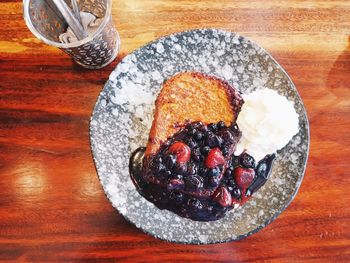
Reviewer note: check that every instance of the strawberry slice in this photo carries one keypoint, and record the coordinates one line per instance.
(182, 152)
(244, 177)
(222, 196)
(214, 158)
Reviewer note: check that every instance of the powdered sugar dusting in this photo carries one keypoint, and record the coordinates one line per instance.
(123, 114)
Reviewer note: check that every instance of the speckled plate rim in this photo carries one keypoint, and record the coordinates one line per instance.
(298, 182)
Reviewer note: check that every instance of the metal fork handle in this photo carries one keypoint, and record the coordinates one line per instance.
(76, 10)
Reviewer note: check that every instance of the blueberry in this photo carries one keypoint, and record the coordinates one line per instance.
(205, 149)
(219, 141)
(170, 161)
(230, 168)
(208, 134)
(211, 140)
(220, 125)
(204, 128)
(234, 161)
(191, 143)
(190, 127)
(247, 161)
(198, 124)
(180, 168)
(166, 173)
(193, 183)
(198, 136)
(158, 167)
(194, 203)
(236, 193)
(159, 159)
(228, 172)
(231, 182)
(177, 196)
(161, 167)
(235, 128)
(192, 169)
(214, 141)
(225, 151)
(227, 136)
(203, 171)
(192, 131)
(196, 155)
(213, 181)
(214, 172)
(212, 127)
(177, 176)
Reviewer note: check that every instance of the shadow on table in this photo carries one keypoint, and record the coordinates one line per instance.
(338, 80)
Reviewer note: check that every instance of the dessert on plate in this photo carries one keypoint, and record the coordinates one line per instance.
(210, 148)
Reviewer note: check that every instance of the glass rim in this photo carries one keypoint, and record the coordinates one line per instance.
(36, 33)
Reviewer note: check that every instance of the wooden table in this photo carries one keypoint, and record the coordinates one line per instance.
(52, 206)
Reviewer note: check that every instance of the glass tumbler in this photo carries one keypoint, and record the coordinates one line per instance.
(93, 52)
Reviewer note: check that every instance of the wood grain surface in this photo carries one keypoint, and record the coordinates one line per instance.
(52, 206)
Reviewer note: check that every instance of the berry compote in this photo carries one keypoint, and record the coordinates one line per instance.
(195, 174)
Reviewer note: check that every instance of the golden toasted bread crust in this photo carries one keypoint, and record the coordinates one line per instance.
(189, 97)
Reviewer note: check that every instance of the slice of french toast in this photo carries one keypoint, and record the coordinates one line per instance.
(190, 97)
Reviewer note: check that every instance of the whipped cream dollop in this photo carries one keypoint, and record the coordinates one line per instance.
(268, 121)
